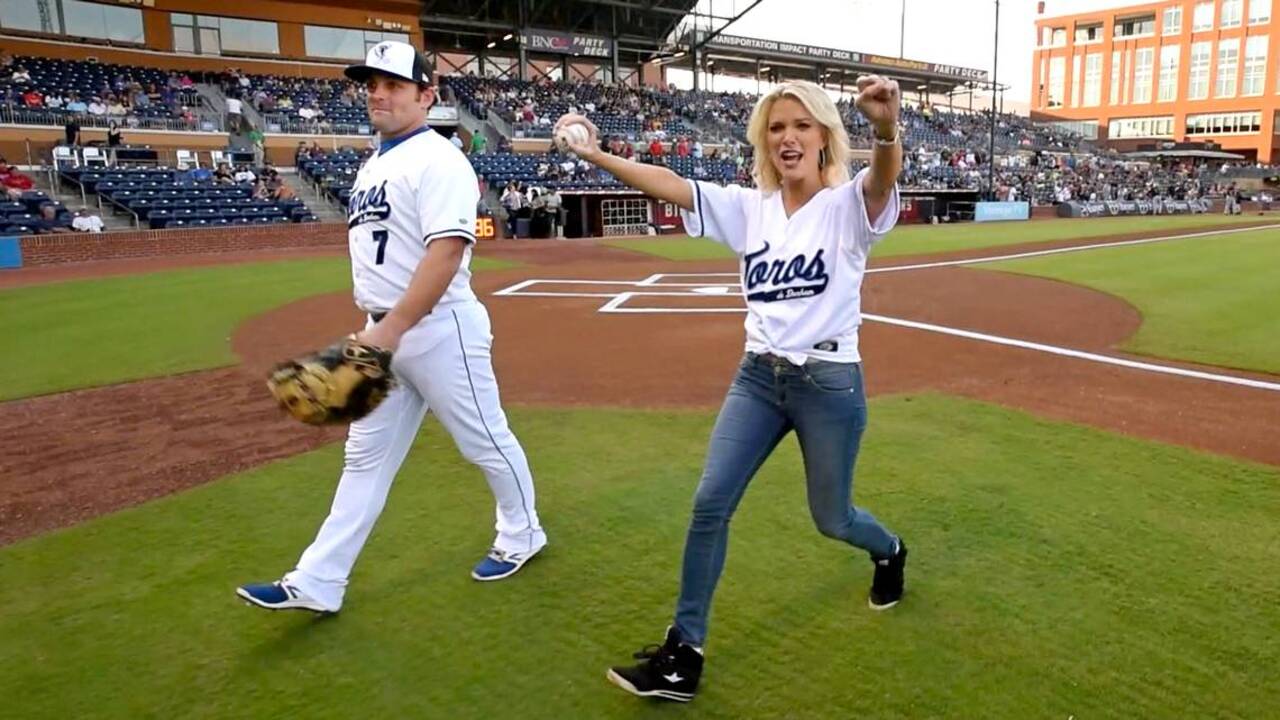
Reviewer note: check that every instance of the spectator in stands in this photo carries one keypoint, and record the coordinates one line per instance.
(75, 104)
(20, 75)
(260, 190)
(259, 142)
(456, 140)
(244, 175)
(86, 222)
(12, 179)
(115, 107)
(655, 150)
(504, 144)
(33, 99)
(72, 130)
(223, 176)
(279, 189)
(96, 108)
(199, 174)
(234, 110)
(48, 221)
(53, 101)
(554, 205)
(301, 154)
(114, 139)
(512, 201)
(478, 143)
(6, 60)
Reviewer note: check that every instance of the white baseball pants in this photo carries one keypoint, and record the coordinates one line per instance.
(442, 365)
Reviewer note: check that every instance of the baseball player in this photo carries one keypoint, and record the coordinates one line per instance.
(412, 218)
(802, 238)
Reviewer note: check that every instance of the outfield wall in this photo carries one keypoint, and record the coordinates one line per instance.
(67, 248)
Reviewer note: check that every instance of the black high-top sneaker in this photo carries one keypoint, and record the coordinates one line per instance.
(887, 586)
(669, 671)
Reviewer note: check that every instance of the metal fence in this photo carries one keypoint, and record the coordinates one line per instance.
(205, 122)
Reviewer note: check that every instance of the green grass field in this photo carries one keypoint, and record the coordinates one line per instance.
(1057, 571)
(926, 239)
(86, 333)
(1209, 300)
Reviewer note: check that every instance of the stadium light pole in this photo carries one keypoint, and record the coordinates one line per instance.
(995, 85)
(902, 32)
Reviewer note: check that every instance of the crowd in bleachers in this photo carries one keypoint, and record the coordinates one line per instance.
(26, 210)
(49, 91)
(532, 107)
(301, 105)
(195, 197)
(699, 134)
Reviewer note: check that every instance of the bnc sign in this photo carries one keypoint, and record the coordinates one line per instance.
(566, 43)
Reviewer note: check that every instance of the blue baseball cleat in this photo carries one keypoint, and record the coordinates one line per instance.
(279, 596)
(499, 564)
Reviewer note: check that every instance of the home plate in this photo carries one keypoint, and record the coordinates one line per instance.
(714, 290)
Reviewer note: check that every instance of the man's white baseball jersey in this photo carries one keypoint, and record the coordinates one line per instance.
(414, 189)
(801, 276)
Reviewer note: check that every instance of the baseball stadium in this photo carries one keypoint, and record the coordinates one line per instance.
(1069, 339)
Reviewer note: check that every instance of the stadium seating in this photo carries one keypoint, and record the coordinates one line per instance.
(91, 79)
(163, 197)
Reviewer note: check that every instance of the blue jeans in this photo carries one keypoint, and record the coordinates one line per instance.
(825, 404)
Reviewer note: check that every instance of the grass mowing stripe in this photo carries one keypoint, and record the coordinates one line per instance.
(1056, 570)
(84, 333)
(1208, 300)
(908, 240)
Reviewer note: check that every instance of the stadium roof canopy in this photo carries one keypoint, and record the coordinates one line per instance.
(669, 32)
(641, 27)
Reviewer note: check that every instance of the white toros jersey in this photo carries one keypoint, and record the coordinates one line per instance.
(801, 276)
(413, 190)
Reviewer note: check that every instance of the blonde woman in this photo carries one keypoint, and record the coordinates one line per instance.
(802, 236)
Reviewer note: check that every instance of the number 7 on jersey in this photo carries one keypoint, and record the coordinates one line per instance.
(380, 237)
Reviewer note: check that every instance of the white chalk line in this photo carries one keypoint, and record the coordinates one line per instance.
(617, 301)
(1071, 249)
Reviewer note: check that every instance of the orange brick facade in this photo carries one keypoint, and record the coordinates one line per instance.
(1119, 108)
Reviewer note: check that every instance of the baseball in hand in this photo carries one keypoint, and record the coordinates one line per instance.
(570, 135)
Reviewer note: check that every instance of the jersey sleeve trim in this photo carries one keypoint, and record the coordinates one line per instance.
(697, 208)
(455, 232)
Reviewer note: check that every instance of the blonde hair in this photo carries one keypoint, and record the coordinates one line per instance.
(833, 163)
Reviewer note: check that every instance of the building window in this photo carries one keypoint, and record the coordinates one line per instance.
(1255, 65)
(331, 42)
(1168, 91)
(1237, 123)
(1173, 20)
(1135, 26)
(1041, 98)
(1076, 77)
(1121, 128)
(1142, 75)
(1092, 80)
(1115, 77)
(1259, 12)
(213, 35)
(1198, 80)
(73, 18)
(1228, 63)
(1057, 80)
(1126, 84)
(1059, 37)
(1088, 33)
(1203, 17)
(1231, 13)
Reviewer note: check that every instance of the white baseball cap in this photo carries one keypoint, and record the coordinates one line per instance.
(394, 58)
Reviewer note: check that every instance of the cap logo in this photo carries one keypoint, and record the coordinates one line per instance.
(381, 51)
